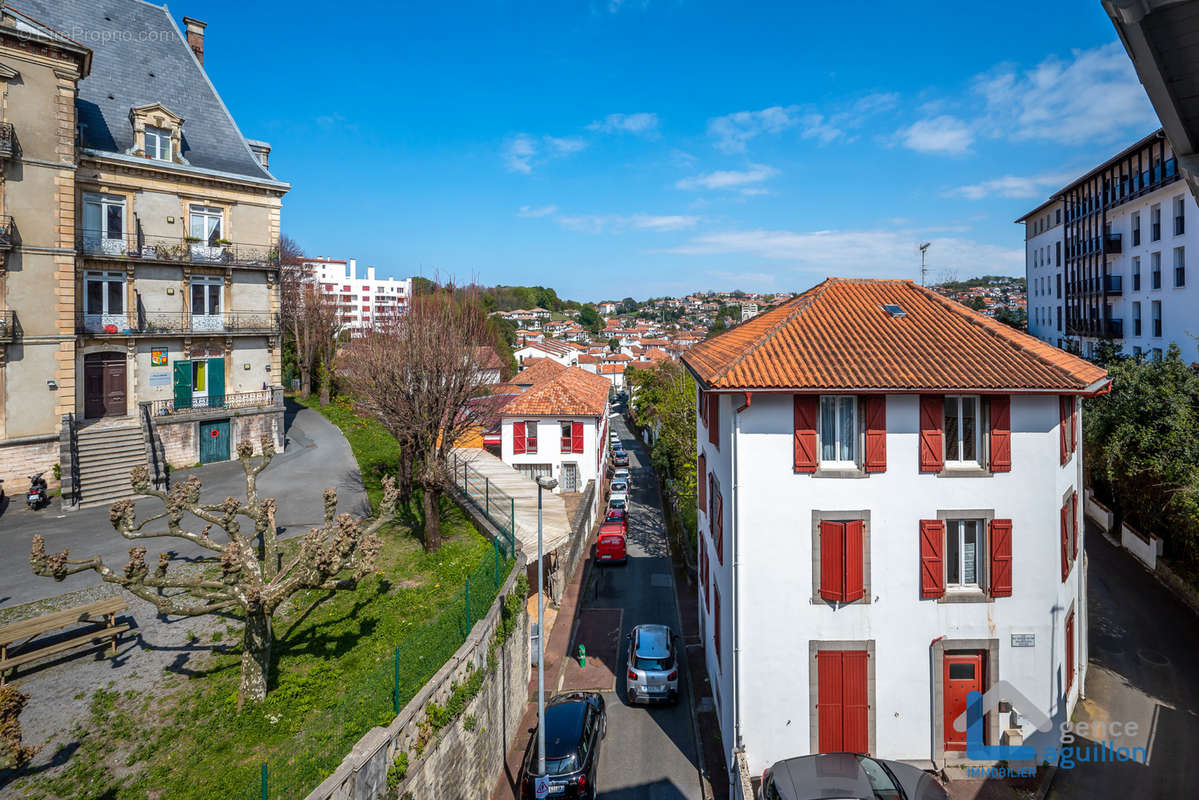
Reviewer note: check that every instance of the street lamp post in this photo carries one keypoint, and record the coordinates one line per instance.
(543, 482)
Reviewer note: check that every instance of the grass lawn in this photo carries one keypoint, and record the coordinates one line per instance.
(335, 656)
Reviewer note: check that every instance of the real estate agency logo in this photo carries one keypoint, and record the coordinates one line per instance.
(1001, 698)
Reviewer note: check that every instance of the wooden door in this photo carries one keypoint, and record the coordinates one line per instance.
(214, 441)
(104, 385)
(963, 674)
(114, 388)
(570, 478)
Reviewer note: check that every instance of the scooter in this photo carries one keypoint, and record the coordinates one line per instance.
(38, 495)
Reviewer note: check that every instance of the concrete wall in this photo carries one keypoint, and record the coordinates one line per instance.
(773, 521)
(1145, 548)
(458, 763)
(19, 460)
(180, 436)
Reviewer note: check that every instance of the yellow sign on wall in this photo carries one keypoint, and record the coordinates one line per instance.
(158, 357)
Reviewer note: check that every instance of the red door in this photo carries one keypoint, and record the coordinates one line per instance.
(963, 674)
(842, 706)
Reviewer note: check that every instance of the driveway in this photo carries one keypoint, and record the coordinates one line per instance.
(316, 456)
(649, 752)
(1144, 648)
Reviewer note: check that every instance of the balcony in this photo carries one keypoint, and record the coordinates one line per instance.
(176, 250)
(6, 233)
(177, 323)
(215, 405)
(8, 326)
(1113, 328)
(1113, 284)
(7, 140)
(1111, 243)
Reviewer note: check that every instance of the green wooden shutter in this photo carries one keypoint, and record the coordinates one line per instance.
(216, 383)
(183, 384)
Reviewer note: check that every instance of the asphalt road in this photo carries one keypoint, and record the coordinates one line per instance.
(316, 456)
(648, 752)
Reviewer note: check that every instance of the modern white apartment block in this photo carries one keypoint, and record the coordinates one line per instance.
(360, 299)
(890, 511)
(1124, 239)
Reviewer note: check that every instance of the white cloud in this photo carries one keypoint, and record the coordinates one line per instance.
(866, 253)
(731, 179)
(943, 134)
(733, 131)
(599, 223)
(1094, 95)
(1013, 186)
(641, 123)
(523, 151)
(536, 211)
(816, 126)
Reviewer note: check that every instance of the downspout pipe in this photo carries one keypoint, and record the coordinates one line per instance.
(736, 610)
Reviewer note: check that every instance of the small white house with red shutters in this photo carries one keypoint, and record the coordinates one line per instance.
(556, 425)
(889, 519)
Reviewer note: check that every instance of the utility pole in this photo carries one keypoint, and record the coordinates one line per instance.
(923, 269)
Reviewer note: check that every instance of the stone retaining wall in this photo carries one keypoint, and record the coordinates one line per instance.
(179, 438)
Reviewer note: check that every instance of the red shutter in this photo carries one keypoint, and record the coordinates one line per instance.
(1001, 558)
(1065, 537)
(1064, 428)
(518, 437)
(703, 406)
(807, 409)
(1069, 652)
(1073, 525)
(719, 528)
(874, 411)
(853, 570)
(932, 566)
(932, 409)
(712, 506)
(855, 725)
(706, 571)
(1073, 425)
(830, 706)
(1001, 434)
(714, 419)
(576, 437)
(716, 623)
(832, 560)
(701, 476)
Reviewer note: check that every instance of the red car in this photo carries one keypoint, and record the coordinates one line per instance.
(610, 546)
(618, 515)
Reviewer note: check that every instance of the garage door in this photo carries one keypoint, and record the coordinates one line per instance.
(842, 705)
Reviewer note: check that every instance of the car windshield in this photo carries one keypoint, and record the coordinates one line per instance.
(617, 502)
(618, 486)
(881, 783)
(561, 766)
(651, 664)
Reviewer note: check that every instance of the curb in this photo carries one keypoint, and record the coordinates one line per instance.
(1046, 782)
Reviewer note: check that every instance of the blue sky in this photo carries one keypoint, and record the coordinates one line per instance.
(660, 146)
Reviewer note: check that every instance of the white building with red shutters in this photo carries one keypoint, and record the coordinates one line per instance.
(889, 518)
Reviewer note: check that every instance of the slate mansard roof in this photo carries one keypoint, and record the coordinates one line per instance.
(140, 56)
(839, 335)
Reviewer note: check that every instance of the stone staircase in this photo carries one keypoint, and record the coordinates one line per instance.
(106, 456)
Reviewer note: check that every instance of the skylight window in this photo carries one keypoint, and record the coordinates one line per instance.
(894, 310)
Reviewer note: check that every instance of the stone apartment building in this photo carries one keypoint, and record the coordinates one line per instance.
(139, 294)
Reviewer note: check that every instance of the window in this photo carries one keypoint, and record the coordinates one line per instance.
(1180, 267)
(1059, 317)
(1155, 217)
(963, 434)
(841, 545)
(1136, 273)
(1136, 229)
(205, 224)
(104, 223)
(104, 293)
(158, 144)
(1156, 354)
(1179, 216)
(206, 294)
(838, 430)
(963, 545)
(1137, 352)
(1155, 264)
(1059, 285)
(565, 441)
(1157, 318)
(1059, 254)
(1136, 319)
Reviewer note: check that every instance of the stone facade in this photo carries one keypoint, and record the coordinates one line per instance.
(458, 763)
(20, 459)
(179, 437)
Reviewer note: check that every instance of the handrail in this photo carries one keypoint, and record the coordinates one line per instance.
(175, 249)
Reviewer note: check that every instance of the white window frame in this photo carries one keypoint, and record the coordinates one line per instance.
(837, 401)
(160, 137)
(103, 239)
(955, 460)
(955, 530)
(105, 278)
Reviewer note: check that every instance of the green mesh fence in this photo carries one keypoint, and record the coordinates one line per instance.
(497, 506)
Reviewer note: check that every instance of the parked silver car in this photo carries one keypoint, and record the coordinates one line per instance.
(653, 673)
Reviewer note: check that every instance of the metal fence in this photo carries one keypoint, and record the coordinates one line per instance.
(498, 506)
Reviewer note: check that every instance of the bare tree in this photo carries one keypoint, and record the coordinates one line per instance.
(311, 318)
(335, 555)
(419, 375)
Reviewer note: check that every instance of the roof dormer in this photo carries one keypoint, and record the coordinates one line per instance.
(157, 133)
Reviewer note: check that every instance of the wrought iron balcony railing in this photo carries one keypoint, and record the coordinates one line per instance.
(179, 322)
(174, 406)
(6, 232)
(102, 244)
(7, 140)
(1113, 284)
(8, 326)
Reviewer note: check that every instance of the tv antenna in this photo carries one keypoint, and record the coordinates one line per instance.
(923, 269)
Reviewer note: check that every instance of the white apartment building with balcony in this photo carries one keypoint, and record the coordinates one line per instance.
(1124, 238)
(360, 299)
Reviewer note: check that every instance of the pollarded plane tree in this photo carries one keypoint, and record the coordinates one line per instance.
(253, 581)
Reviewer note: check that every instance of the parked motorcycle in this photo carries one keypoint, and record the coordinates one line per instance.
(38, 495)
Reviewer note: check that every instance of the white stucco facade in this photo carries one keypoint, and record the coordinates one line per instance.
(763, 674)
(1044, 272)
(588, 464)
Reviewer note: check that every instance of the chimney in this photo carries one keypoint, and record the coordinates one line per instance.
(261, 151)
(370, 273)
(195, 36)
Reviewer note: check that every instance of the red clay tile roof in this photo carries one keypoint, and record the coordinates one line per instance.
(488, 358)
(538, 370)
(836, 335)
(550, 346)
(572, 393)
